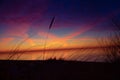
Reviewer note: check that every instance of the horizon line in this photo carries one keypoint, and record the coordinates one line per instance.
(52, 49)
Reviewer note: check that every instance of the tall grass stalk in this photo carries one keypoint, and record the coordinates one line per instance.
(16, 50)
(50, 27)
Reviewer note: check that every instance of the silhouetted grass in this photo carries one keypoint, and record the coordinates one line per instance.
(14, 51)
(111, 45)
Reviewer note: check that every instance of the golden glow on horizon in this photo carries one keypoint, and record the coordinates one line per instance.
(32, 44)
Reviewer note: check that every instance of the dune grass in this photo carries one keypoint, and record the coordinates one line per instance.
(111, 44)
(15, 51)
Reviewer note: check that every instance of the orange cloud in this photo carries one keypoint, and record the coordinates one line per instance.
(6, 40)
(78, 32)
(4, 43)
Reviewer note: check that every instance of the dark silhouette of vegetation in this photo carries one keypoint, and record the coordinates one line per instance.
(50, 27)
(54, 59)
(14, 51)
(111, 44)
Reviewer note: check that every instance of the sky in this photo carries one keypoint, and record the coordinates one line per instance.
(78, 23)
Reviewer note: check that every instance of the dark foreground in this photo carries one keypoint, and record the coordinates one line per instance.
(58, 70)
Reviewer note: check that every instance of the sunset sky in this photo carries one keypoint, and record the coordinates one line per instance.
(78, 23)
